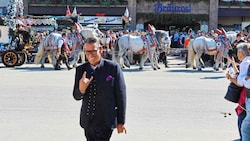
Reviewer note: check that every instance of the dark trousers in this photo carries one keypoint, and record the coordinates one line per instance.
(64, 59)
(94, 133)
(241, 117)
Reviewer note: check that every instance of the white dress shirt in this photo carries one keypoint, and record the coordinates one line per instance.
(243, 72)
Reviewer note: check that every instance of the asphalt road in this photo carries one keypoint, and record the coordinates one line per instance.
(170, 104)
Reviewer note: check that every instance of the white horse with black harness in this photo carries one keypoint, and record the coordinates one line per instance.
(143, 45)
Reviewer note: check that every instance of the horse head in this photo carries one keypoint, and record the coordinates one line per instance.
(151, 30)
(231, 36)
(221, 33)
(95, 28)
(163, 39)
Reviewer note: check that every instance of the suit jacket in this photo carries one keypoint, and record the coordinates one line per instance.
(110, 98)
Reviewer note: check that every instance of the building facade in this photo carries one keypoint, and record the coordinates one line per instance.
(234, 14)
(197, 14)
(107, 13)
(163, 14)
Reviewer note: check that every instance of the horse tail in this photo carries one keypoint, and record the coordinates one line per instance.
(191, 54)
(39, 53)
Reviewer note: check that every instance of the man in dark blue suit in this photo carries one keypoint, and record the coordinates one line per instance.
(100, 84)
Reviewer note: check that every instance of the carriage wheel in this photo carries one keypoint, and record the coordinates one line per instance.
(10, 58)
(22, 58)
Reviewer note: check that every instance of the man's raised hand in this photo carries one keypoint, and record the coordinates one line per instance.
(84, 82)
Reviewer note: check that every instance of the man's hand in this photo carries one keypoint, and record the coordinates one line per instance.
(84, 82)
(228, 75)
(121, 128)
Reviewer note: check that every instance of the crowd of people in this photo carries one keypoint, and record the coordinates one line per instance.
(239, 75)
(179, 38)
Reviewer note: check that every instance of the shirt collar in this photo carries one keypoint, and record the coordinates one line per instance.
(98, 65)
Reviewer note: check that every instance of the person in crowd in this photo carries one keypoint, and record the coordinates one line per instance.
(234, 46)
(241, 113)
(248, 38)
(63, 53)
(108, 42)
(187, 41)
(211, 33)
(22, 29)
(100, 84)
(182, 40)
(108, 45)
(176, 40)
(198, 33)
(243, 79)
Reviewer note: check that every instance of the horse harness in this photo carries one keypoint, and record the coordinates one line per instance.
(146, 42)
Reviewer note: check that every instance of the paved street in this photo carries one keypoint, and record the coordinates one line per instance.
(170, 104)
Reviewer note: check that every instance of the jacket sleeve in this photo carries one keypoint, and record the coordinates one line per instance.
(76, 92)
(120, 92)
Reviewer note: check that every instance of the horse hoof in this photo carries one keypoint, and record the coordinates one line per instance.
(155, 68)
(127, 65)
(42, 67)
(69, 68)
(199, 69)
(158, 68)
(57, 68)
(140, 68)
(166, 66)
(194, 68)
(216, 69)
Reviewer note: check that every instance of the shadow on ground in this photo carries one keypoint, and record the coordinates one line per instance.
(193, 71)
(37, 69)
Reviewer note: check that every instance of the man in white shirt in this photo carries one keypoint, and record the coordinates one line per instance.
(62, 53)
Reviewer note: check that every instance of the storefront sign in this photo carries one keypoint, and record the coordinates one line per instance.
(159, 8)
(100, 20)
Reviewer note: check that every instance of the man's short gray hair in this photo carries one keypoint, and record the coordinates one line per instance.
(92, 40)
(244, 48)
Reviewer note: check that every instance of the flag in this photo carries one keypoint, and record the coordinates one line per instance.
(74, 13)
(125, 16)
(68, 13)
(126, 13)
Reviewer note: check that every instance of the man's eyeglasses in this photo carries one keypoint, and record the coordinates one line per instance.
(92, 52)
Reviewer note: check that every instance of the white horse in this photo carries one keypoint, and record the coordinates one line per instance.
(48, 48)
(144, 45)
(164, 42)
(231, 36)
(200, 45)
(81, 34)
(75, 41)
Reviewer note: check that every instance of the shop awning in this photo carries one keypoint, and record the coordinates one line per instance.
(242, 12)
(86, 11)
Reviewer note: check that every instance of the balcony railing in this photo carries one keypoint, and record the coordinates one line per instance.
(234, 3)
(79, 2)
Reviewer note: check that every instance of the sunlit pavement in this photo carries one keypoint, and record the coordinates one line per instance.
(170, 104)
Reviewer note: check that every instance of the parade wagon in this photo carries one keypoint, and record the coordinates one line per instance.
(13, 50)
